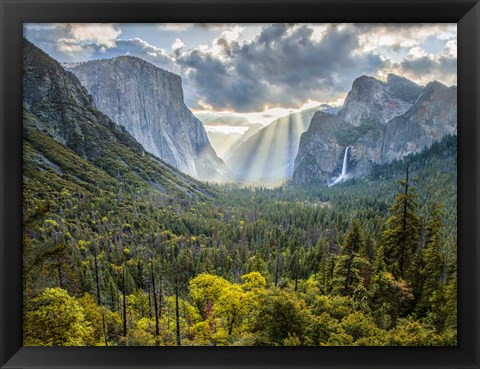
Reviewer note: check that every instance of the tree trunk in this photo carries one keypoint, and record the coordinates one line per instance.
(99, 297)
(155, 304)
(230, 326)
(60, 277)
(149, 304)
(404, 227)
(160, 300)
(277, 268)
(177, 317)
(124, 306)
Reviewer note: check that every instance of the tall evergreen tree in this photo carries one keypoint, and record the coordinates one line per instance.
(401, 237)
(350, 267)
(432, 259)
(389, 298)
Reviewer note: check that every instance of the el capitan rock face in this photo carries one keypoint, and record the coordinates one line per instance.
(368, 124)
(148, 102)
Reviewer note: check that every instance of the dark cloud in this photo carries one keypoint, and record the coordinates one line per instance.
(283, 66)
(425, 66)
(179, 27)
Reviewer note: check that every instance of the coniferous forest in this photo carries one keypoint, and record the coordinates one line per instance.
(369, 262)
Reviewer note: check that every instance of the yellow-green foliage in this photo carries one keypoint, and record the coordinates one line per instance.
(56, 319)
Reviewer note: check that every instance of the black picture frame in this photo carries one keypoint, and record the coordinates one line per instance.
(466, 13)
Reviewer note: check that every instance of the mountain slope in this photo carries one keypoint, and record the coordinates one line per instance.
(433, 116)
(226, 142)
(148, 102)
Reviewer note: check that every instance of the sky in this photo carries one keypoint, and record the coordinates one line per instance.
(258, 72)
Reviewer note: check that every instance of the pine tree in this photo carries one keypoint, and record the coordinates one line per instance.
(401, 237)
(432, 260)
(295, 264)
(97, 289)
(350, 268)
(323, 268)
(388, 298)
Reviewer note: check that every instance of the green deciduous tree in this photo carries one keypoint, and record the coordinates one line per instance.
(56, 319)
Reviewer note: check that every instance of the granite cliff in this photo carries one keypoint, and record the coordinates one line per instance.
(148, 102)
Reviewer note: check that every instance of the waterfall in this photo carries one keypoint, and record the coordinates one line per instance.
(345, 162)
(344, 174)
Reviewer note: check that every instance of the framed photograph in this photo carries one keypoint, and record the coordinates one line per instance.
(240, 184)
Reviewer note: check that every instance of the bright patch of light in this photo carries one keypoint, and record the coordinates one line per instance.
(226, 129)
(269, 115)
(416, 52)
(101, 33)
(177, 44)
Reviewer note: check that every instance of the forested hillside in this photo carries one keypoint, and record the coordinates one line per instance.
(112, 260)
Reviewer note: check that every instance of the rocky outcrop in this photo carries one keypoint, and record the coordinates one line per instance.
(320, 154)
(148, 102)
(373, 101)
(430, 115)
(433, 116)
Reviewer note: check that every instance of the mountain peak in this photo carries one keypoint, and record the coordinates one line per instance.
(365, 81)
(435, 85)
(395, 78)
(371, 100)
(321, 115)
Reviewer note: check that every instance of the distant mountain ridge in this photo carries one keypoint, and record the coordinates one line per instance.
(148, 101)
(367, 124)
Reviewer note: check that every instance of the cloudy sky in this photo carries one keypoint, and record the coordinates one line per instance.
(262, 71)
